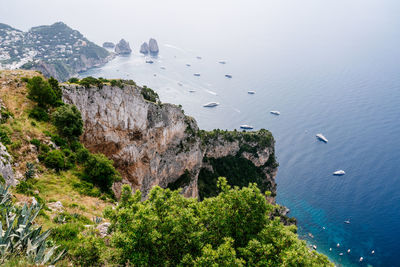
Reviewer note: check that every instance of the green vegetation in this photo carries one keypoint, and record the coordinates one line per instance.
(100, 171)
(68, 121)
(21, 239)
(41, 92)
(231, 229)
(39, 114)
(149, 94)
(91, 81)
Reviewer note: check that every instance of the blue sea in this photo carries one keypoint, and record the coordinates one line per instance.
(330, 67)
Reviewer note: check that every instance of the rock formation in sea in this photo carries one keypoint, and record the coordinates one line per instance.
(144, 48)
(153, 46)
(157, 144)
(123, 48)
(110, 45)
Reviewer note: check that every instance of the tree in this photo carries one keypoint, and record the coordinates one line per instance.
(56, 88)
(100, 171)
(68, 121)
(55, 159)
(231, 229)
(40, 91)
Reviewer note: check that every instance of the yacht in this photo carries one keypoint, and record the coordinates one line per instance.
(222, 62)
(180, 84)
(275, 112)
(198, 57)
(149, 61)
(322, 138)
(347, 221)
(251, 92)
(361, 259)
(211, 104)
(246, 127)
(197, 74)
(192, 91)
(339, 173)
(228, 76)
(162, 67)
(188, 65)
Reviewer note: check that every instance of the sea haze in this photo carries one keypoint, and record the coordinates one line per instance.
(330, 67)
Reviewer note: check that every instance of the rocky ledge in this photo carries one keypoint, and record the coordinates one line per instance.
(123, 48)
(157, 144)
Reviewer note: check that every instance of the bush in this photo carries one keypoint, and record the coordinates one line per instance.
(100, 171)
(59, 141)
(149, 94)
(55, 160)
(40, 91)
(36, 143)
(88, 81)
(68, 121)
(89, 252)
(56, 88)
(82, 155)
(4, 138)
(39, 114)
(73, 80)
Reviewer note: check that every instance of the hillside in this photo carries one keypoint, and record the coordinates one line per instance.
(46, 138)
(55, 50)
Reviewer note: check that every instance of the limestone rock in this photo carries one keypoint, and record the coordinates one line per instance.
(108, 45)
(123, 48)
(5, 166)
(103, 229)
(153, 46)
(144, 48)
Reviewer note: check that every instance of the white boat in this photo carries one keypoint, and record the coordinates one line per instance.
(211, 104)
(338, 245)
(222, 62)
(149, 61)
(188, 65)
(314, 247)
(246, 127)
(361, 259)
(197, 74)
(162, 67)
(322, 138)
(373, 252)
(192, 91)
(347, 222)
(341, 254)
(251, 92)
(198, 57)
(348, 251)
(275, 112)
(228, 76)
(339, 173)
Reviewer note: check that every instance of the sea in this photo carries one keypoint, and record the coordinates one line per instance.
(330, 67)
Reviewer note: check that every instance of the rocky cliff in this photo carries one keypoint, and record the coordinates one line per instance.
(144, 48)
(156, 144)
(153, 46)
(123, 48)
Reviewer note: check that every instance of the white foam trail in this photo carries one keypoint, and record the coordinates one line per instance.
(235, 109)
(211, 92)
(175, 47)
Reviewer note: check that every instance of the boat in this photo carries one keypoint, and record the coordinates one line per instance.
(246, 127)
(198, 57)
(322, 138)
(162, 67)
(211, 104)
(192, 91)
(314, 247)
(188, 65)
(348, 251)
(347, 221)
(338, 245)
(361, 259)
(341, 254)
(228, 76)
(310, 235)
(222, 62)
(197, 74)
(275, 112)
(373, 252)
(149, 61)
(330, 249)
(180, 84)
(154, 74)
(251, 92)
(339, 173)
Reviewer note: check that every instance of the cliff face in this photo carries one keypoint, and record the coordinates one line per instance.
(123, 48)
(151, 144)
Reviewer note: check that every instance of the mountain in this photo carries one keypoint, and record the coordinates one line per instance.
(56, 50)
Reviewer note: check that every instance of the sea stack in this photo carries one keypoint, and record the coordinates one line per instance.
(123, 48)
(144, 48)
(108, 45)
(153, 46)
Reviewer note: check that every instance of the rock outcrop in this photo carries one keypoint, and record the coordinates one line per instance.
(110, 45)
(144, 48)
(153, 144)
(5, 166)
(123, 48)
(153, 46)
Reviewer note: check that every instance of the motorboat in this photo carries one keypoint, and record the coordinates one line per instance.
(246, 127)
(196, 74)
(251, 92)
(192, 91)
(347, 221)
(180, 84)
(211, 104)
(188, 65)
(149, 61)
(322, 138)
(275, 112)
(198, 57)
(222, 62)
(339, 173)
(228, 76)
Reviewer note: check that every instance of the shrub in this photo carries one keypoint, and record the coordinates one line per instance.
(4, 138)
(86, 188)
(100, 171)
(56, 88)
(68, 121)
(39, 114)
(30, 171)
(59, 141)
(40, 91)
(149, 94)
(88, 81)
(82, 155)
(36, 143)
(55, 160)
(73, 80)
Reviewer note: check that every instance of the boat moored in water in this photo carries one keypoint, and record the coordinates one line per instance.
(251, 92)
(228, 76)
(322, 137)
(275, 112)
(246, 127)
(196, 74)
(339, 173)
(211, 104)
